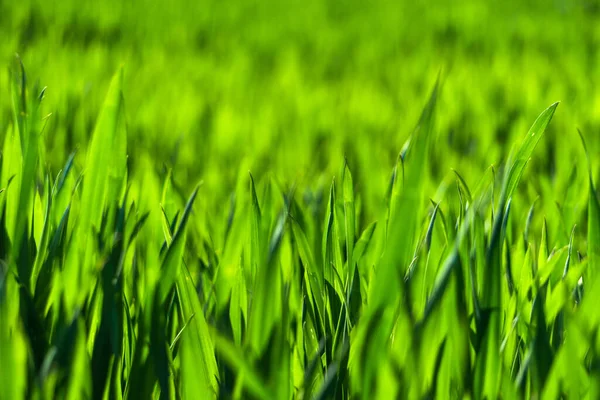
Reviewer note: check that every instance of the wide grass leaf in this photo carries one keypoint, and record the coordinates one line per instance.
(199, 371)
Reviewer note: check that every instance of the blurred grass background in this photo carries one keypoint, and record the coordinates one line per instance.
(292, 87)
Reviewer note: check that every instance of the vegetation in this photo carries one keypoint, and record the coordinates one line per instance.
(285, 202)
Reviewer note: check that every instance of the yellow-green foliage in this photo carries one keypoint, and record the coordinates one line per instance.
(280, 200)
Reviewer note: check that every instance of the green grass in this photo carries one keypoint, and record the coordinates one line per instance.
(299, 209)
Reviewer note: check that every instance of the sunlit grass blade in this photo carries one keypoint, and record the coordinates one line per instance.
(104, 176)
(199, 366)
(387, 286)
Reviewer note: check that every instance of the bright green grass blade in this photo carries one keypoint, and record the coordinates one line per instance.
(591, 283)
(199, 372)
(528, 223)
(11, 167)
(363, 242)
(43, 245)
(403, 224)
(238, 307)
(166, 205)
(104, 176)
(266, 310)
(332, 257)
(171, 264)
(386, 288)
(313, 272)
(442, 280)
(593, 237)
(516, 165)
(79, 384)
(13, 347)
(26, 110)
(333, 266)
(12, 162)
(19, 98)
(488, 369)
(235, 239)
(395, 188)
(543, 252)
(569, 254)
(349, 224)
(463, 185)
(106, 155)
(256, 230)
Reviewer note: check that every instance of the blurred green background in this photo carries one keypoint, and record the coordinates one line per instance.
(291, 88)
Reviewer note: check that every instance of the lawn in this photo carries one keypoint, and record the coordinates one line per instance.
(316, 199)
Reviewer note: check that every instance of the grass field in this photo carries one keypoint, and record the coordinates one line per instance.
(316, 199)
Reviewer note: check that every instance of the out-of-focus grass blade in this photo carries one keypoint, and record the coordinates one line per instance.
(568, 376)
(543, 351)
(13, 347)
(363, 242)
(528, 223)
(403, 225)
(79, 383)
(463, 185)
(589, 306)
(593, 218)
(395, 187)
(238, 308)
(255, 230)
(12, 162)
(236, 360)
(543, 252)
(569, 254)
